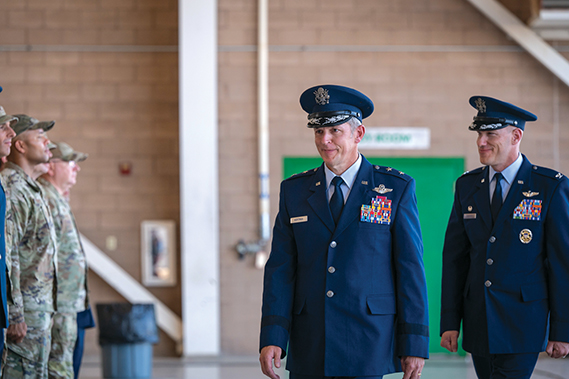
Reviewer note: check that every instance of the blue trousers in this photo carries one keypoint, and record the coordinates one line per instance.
(78, 352)
(85, 320)
(505, 366)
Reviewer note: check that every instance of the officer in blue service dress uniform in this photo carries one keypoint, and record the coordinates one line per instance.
(506, 252)
(344, 287)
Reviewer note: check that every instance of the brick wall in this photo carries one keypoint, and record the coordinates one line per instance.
(118, 106)
(115, 105)
(391, 63)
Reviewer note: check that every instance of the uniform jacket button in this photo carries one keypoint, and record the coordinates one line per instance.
(487, 283)
(330, 293)
(331, 269)
(490, 261)
(333, 244)
(492, 239)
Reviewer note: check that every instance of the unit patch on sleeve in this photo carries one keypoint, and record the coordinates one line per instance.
(379, 212)
(528, 209)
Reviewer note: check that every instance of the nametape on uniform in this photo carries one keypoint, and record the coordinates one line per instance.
(378, 212)
(528, 209)
(469, 216)
(296, 220)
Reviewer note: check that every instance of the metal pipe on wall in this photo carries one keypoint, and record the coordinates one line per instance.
(263, 117)
(259, 248)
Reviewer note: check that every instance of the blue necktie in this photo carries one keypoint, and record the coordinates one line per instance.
(497, 197)
(337, 200)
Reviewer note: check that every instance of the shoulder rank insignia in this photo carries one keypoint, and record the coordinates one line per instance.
(559, 175)
(381, 189)
(378, 212)
(530, 194)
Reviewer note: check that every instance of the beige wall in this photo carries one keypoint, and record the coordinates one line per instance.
(428, 89)
(116, 106)
(123, 106)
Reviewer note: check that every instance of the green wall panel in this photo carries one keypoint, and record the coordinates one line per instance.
(435, 179)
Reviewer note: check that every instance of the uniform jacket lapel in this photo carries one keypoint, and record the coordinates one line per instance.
(360, 194)
(482, 198)
(515, 195)
(319, 201)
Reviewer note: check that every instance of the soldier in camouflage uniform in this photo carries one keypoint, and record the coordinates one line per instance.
(31, 243)
(71, 261)
(6, 135)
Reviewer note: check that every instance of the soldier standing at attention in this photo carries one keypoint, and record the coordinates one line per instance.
(506, 253)
(71, 261)
(32, 248)
(6, 135)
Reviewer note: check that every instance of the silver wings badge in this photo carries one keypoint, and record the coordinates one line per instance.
(381, 189)
(530, 194)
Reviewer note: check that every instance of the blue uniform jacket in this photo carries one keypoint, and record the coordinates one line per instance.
(505, 282)
(349, 300)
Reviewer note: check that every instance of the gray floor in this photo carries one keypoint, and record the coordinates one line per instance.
(438, 367)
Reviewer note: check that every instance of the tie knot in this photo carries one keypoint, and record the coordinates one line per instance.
(337, 181)
(498, 176)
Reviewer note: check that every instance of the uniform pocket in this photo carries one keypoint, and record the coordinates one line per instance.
(534, 291)
(381, 304)
(298, 306)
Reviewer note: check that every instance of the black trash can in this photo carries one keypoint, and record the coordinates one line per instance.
(126, 334)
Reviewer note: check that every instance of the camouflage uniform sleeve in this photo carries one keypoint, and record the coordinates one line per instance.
(17, 219)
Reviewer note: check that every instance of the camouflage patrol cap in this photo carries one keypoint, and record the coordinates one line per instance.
(26, 122)
(6, 117)
(61, 150)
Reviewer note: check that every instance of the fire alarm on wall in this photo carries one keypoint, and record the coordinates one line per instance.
(125, 168)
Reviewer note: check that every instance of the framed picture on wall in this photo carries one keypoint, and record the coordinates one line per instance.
(158, 241)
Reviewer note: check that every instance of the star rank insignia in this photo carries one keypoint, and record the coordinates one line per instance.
(480, 105)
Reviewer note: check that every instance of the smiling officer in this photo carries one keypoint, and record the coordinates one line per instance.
(505, 258)
(344, 286)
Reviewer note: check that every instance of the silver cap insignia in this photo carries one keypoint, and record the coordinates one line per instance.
(321, 96)
(480, 105)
